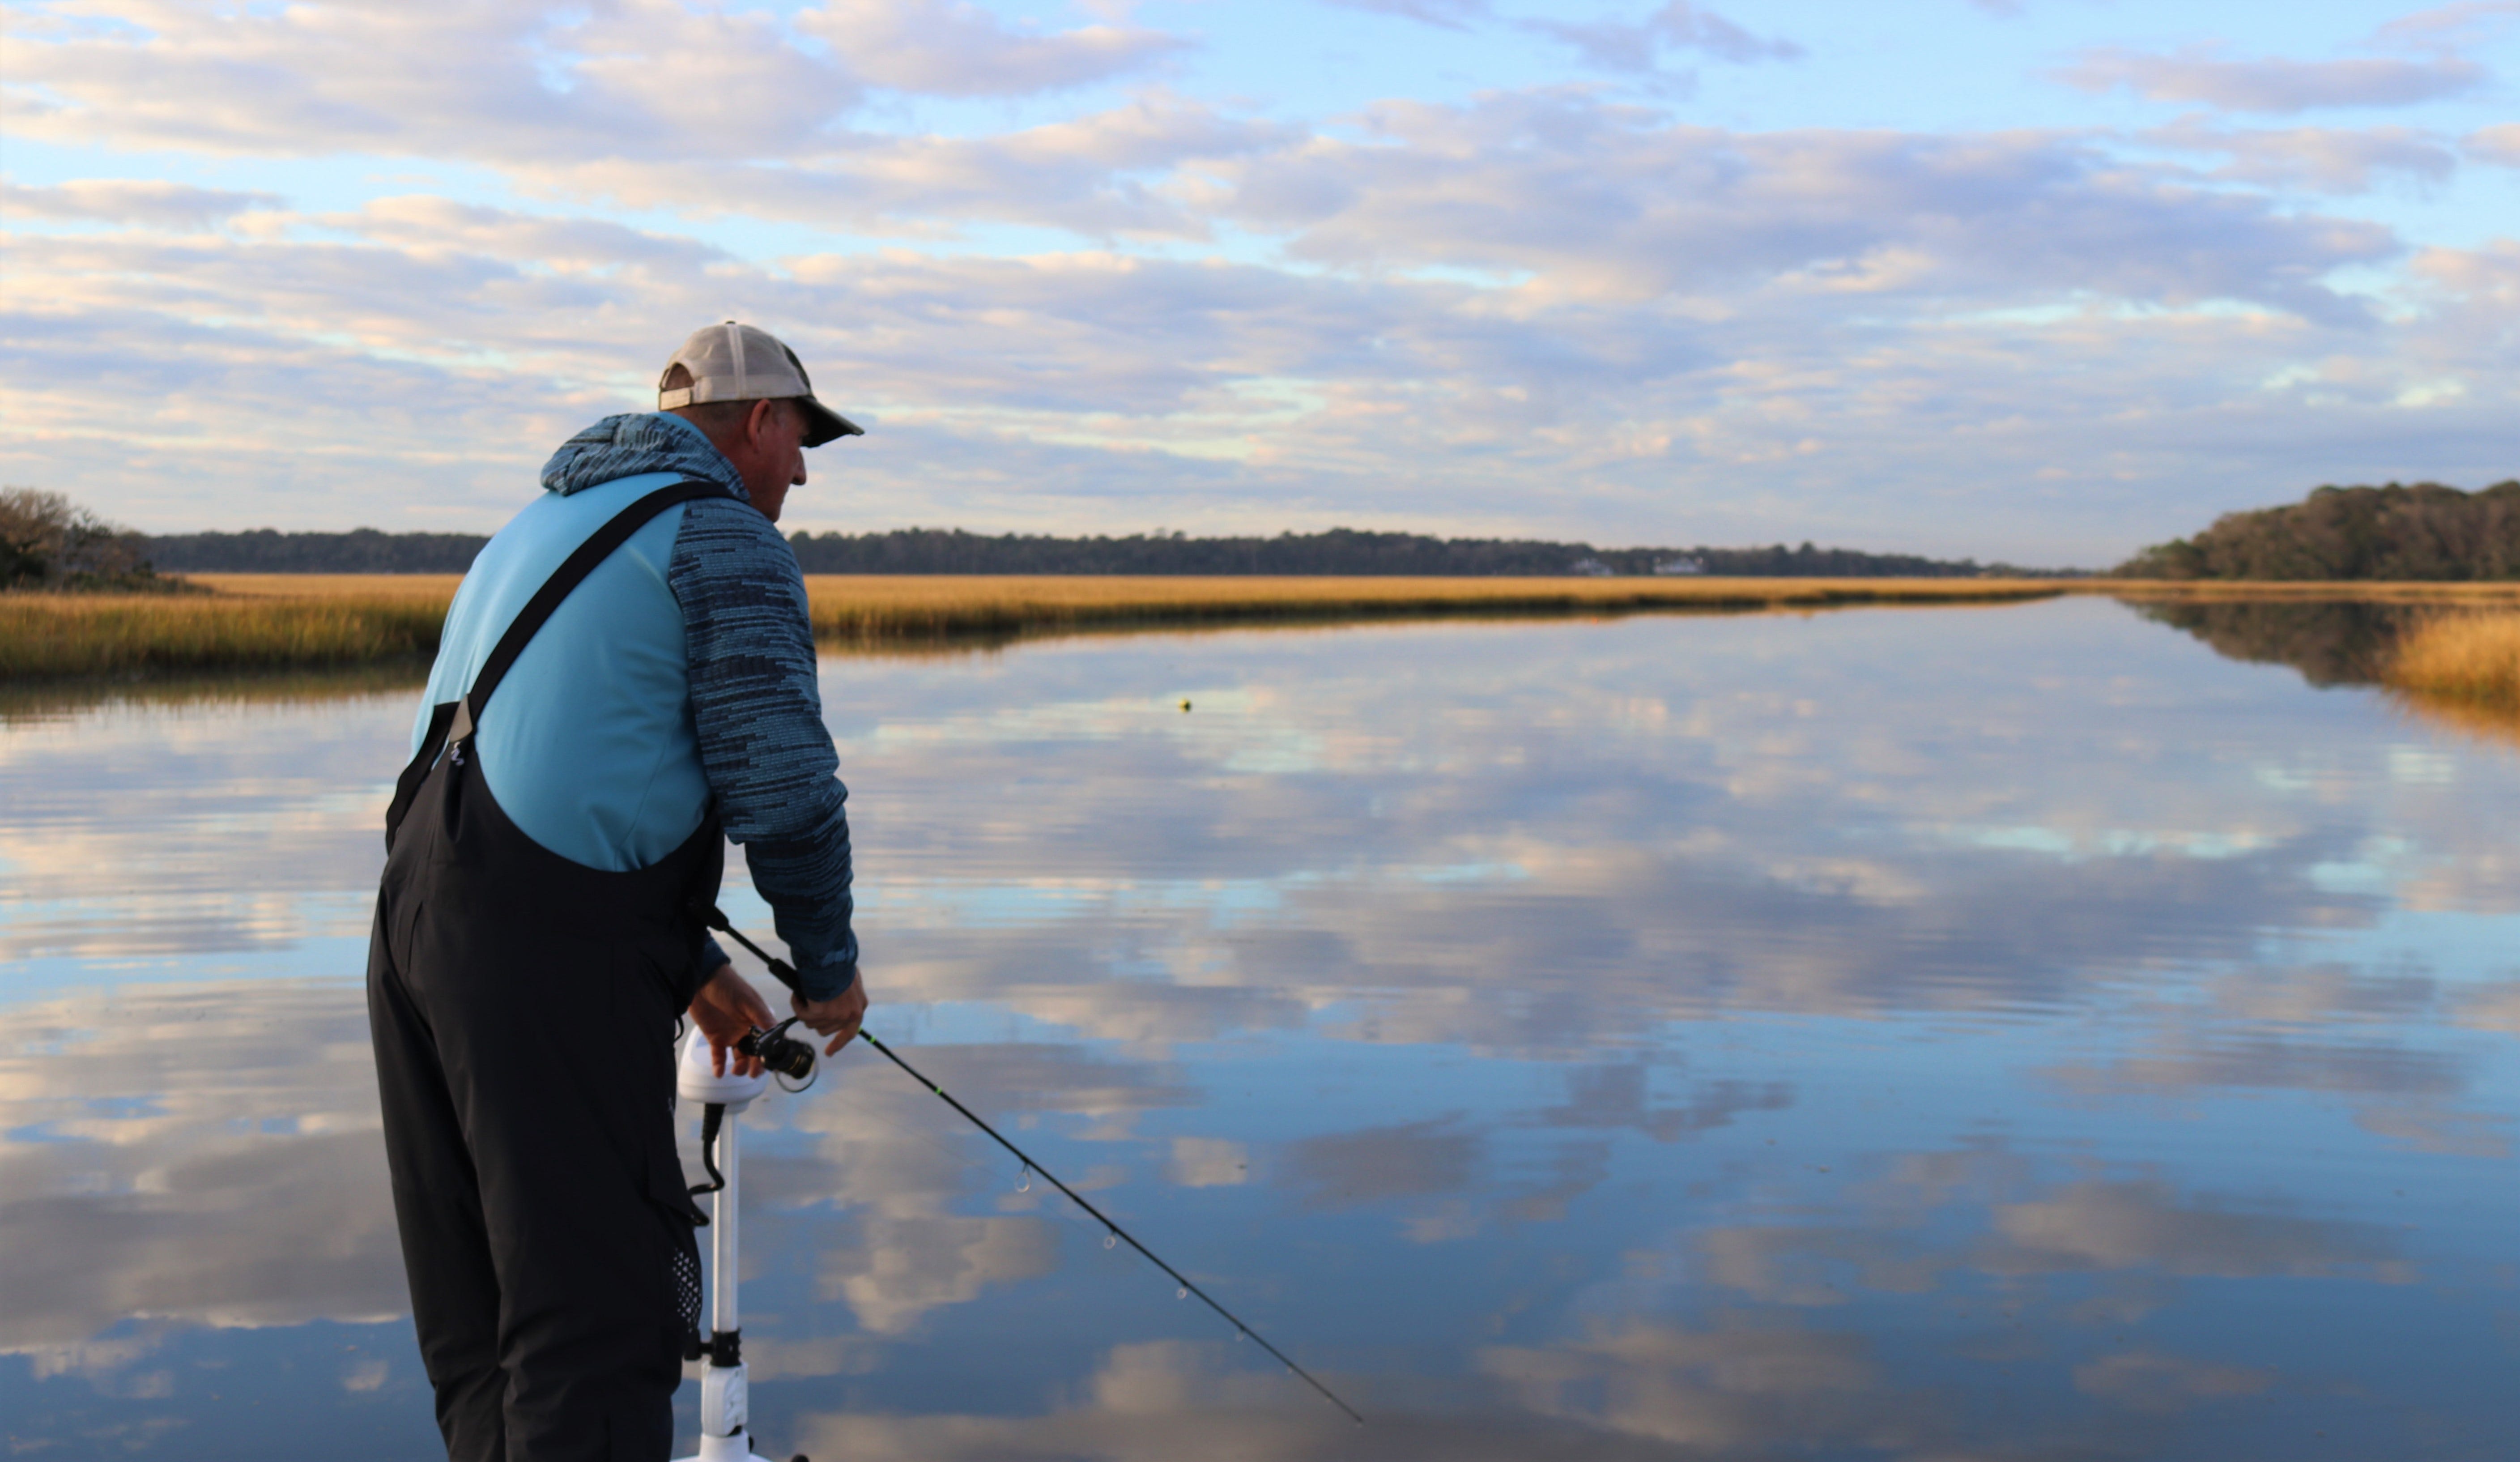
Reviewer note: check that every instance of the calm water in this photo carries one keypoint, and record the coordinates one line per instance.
(1983, 1034)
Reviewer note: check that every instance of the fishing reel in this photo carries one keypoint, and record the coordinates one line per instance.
(779, 1051)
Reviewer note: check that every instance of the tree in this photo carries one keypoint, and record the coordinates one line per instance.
(48, 541)
(2423, 531)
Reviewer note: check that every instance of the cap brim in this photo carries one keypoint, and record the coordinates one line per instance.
(823, 424)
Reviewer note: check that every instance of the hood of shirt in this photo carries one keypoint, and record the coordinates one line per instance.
(624, 447)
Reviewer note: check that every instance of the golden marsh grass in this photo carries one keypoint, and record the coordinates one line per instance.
(2464, 664)
(278, 620)
(380, 588)
(2470, 657)
(271, 622)
(46, 635)
(2462, 593)
(873, 610)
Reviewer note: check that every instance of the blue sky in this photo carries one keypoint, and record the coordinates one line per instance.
(2042, 281)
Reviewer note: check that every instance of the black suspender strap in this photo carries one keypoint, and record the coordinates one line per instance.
(451, 723)
(572, 572)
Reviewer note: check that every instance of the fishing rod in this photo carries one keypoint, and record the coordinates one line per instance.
(767, 1043)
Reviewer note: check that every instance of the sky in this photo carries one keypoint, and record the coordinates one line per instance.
(2040, 281)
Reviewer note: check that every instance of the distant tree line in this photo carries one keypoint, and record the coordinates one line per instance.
(49, 542)
(2423, 531)
(1339, 551)
(359, 551)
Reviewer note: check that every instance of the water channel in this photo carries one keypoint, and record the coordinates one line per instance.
(2016, 1033)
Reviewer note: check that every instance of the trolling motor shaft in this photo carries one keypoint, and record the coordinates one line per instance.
(726, 1400)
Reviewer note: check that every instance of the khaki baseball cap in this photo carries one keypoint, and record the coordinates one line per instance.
(731, 362)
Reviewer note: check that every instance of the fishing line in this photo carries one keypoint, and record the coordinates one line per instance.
(912, 1131)
(1024, 1179)
(786, 973)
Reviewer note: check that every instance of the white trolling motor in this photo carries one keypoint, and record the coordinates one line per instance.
(725, 1402)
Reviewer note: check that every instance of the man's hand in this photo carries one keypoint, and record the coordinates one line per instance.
(838, 1018)
(727, 1010)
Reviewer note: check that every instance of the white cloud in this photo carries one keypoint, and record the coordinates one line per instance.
(2143, 1224)
(169, 1213)
(473, 79)
(2445, 25)
(149, 204)
(1638, 48)
(2498, 144)
(1214, 315)
(2322, 160)
(1451, 15)
(649, 82)
(2145, 1380)
(1086, 174)
(1209, 1162)
(905, 1269)
(429, 227)
(2201, 73)
(1743, 1386)
(1614, 202)
(954, 49)
(431, 352)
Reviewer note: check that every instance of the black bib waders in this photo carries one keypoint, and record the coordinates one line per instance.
(524, 1008)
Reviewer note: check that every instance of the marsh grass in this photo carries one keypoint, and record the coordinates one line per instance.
(378, 588)
(275, 620)
(875, 610)
(2475, 593)
(2465, 655)
(51, 635)
(2470, 658)
(2494, 725)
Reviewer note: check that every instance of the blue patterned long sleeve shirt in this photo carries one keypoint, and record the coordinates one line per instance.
(764, 754)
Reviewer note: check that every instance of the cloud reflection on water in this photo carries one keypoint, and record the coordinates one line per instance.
(204, 1155)
(1654, 1038)
(148, 830)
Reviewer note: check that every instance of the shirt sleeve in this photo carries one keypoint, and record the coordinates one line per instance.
(768, 757)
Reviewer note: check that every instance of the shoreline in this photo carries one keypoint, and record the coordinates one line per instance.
(873, 611)
(2454, 593)
(272, 622)
(276, 622)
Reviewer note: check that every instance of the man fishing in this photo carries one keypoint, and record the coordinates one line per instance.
(551, 852)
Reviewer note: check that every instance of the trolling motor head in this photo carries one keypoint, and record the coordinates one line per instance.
(699, 1083)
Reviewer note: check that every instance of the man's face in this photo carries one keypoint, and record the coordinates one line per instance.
(772, 458)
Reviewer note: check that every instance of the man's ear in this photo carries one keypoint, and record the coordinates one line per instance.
(760, 422)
